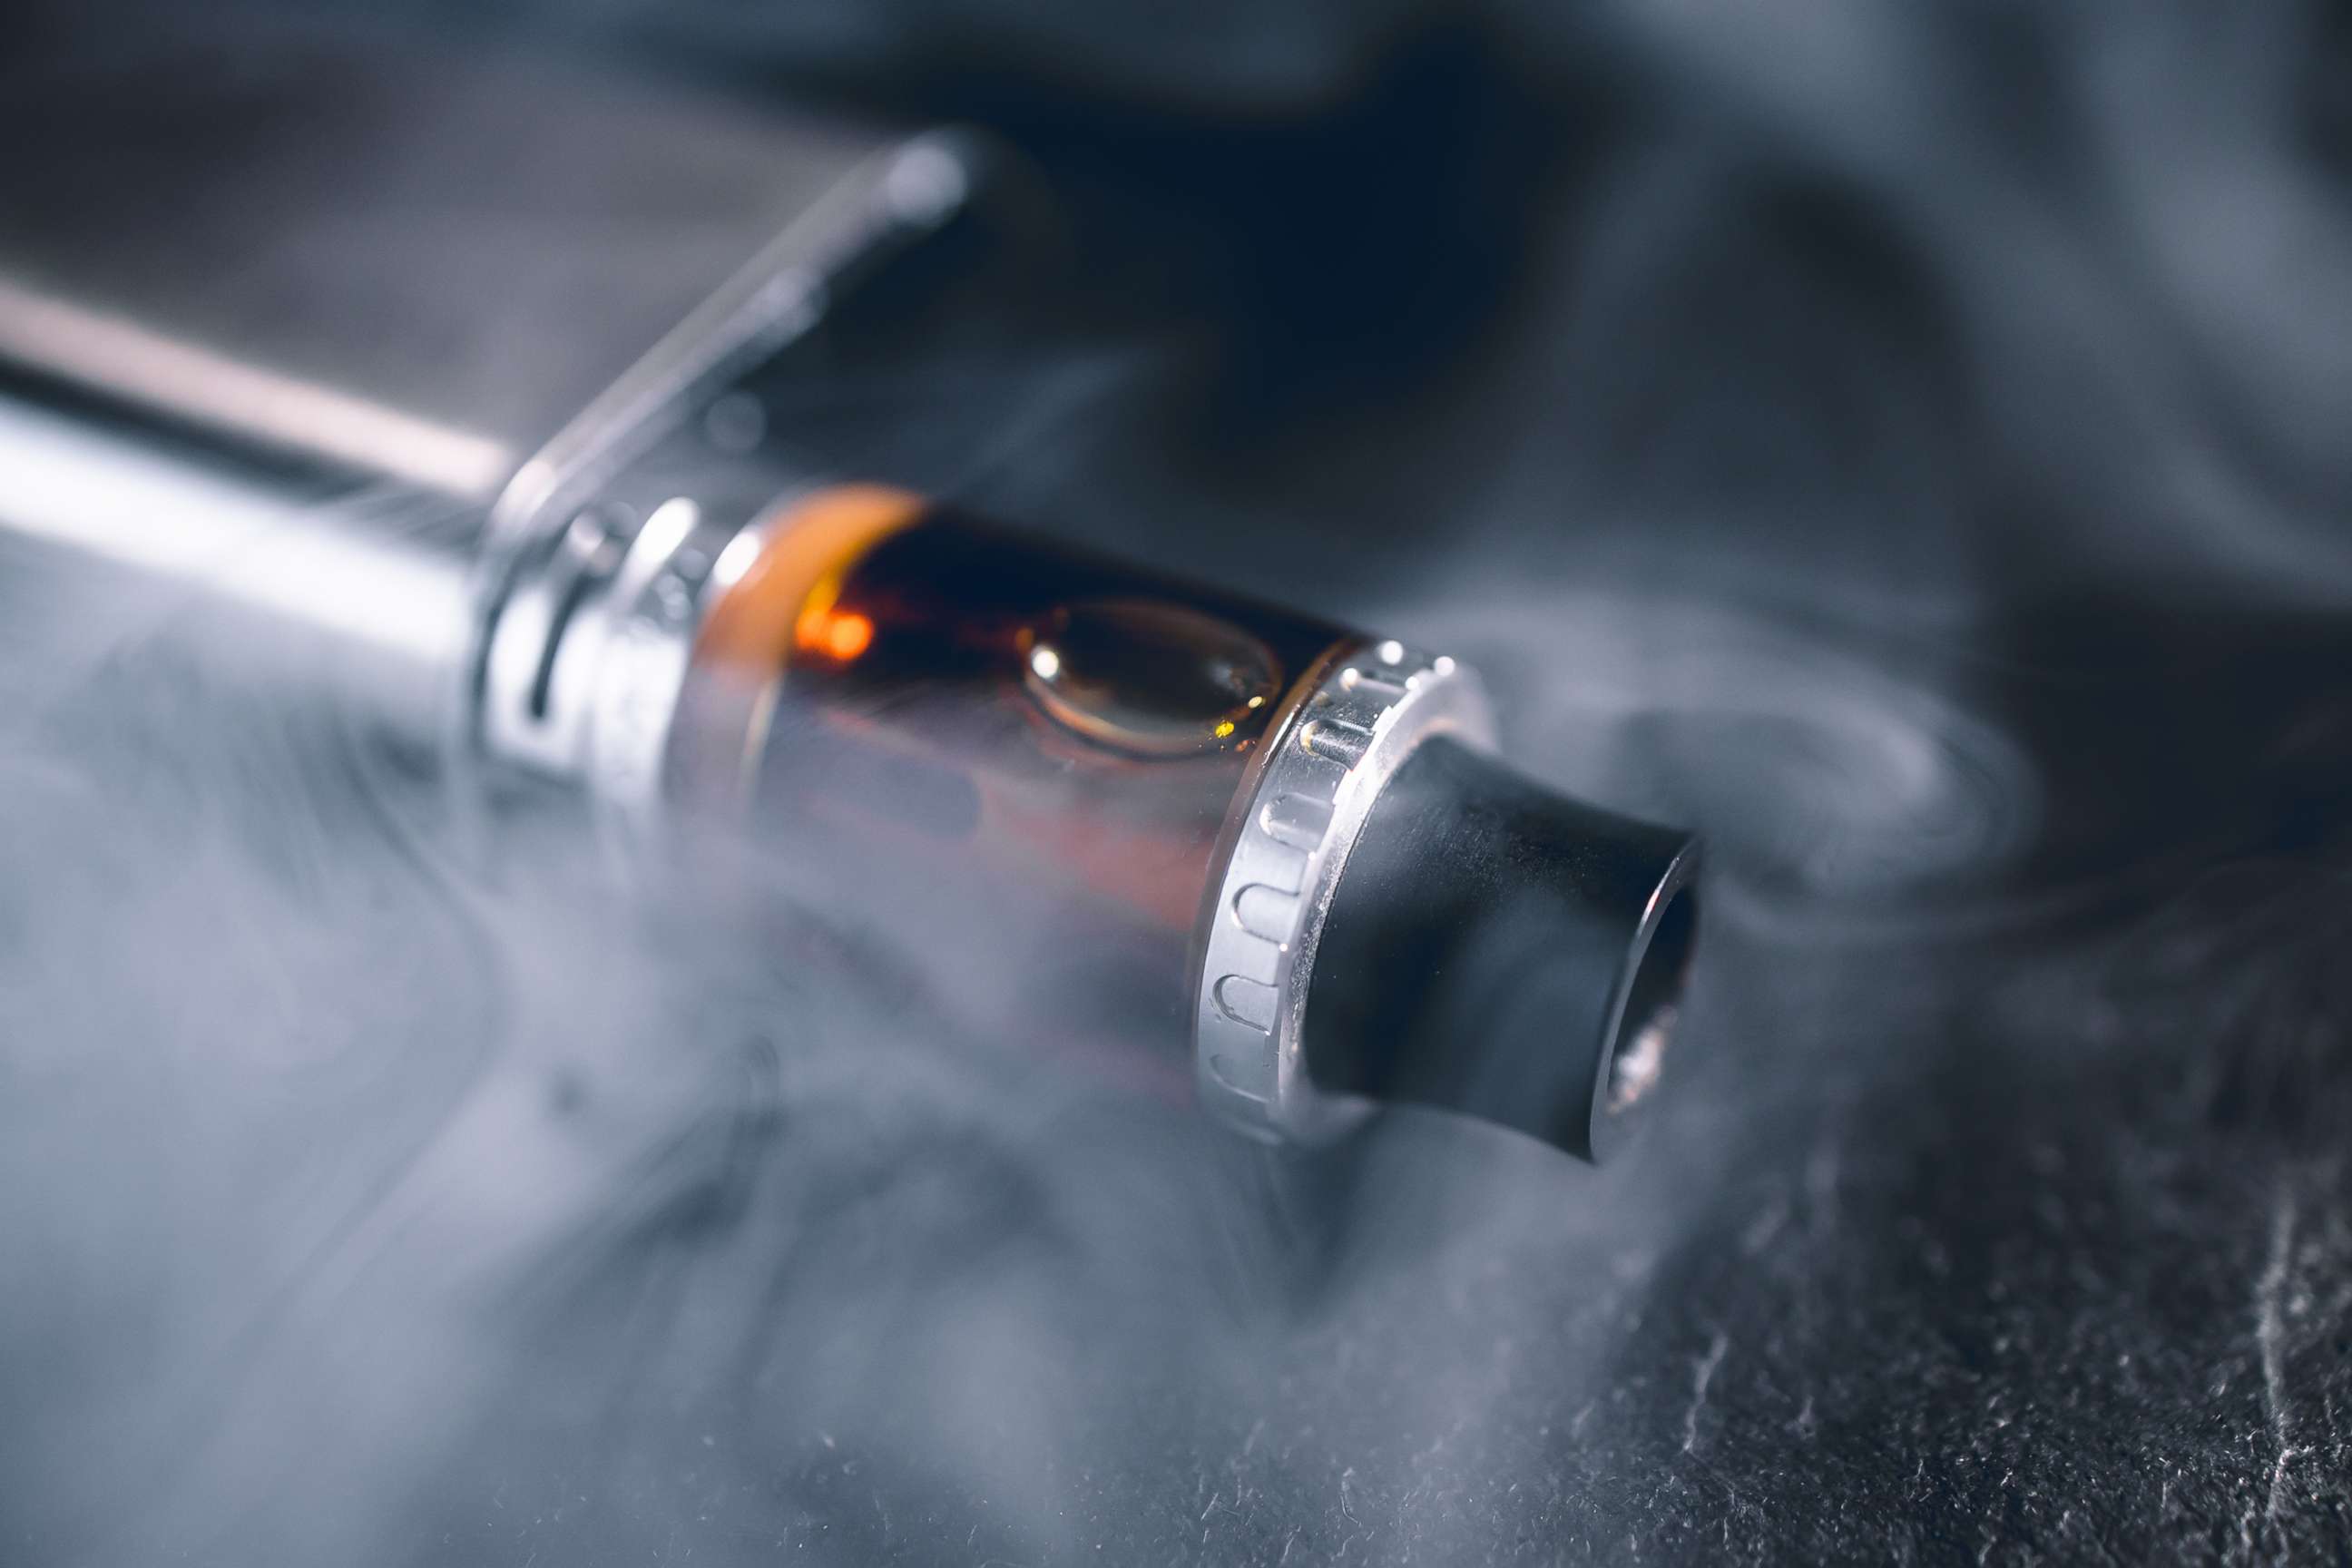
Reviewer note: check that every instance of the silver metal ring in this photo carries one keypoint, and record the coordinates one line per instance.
(593, 572)
(1298, 818)
(659, 599)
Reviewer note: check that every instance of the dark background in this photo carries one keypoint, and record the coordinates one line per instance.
(1907, 443)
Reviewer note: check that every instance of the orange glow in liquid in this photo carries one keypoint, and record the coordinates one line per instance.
(841, 636)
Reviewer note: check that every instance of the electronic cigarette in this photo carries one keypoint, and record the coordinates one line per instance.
(1258, 857)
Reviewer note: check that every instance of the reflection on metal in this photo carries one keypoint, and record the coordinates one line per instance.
(122, 359)
(72, 484)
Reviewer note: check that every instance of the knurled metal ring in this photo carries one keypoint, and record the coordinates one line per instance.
(1299, 815)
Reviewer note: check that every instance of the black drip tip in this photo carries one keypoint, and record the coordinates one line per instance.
(1495, 948)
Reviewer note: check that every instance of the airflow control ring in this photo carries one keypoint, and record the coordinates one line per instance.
(1297, 819)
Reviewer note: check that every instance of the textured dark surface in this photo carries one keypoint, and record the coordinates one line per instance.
(1909, 445)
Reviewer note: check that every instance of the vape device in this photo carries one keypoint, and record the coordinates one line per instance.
(1274, 859)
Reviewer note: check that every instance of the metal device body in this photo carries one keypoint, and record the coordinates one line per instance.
(284, 309)
(1155, 790)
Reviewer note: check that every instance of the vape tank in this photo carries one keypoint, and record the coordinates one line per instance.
(1274, 860)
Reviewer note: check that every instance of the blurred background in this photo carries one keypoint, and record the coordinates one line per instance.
(1908, 444)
